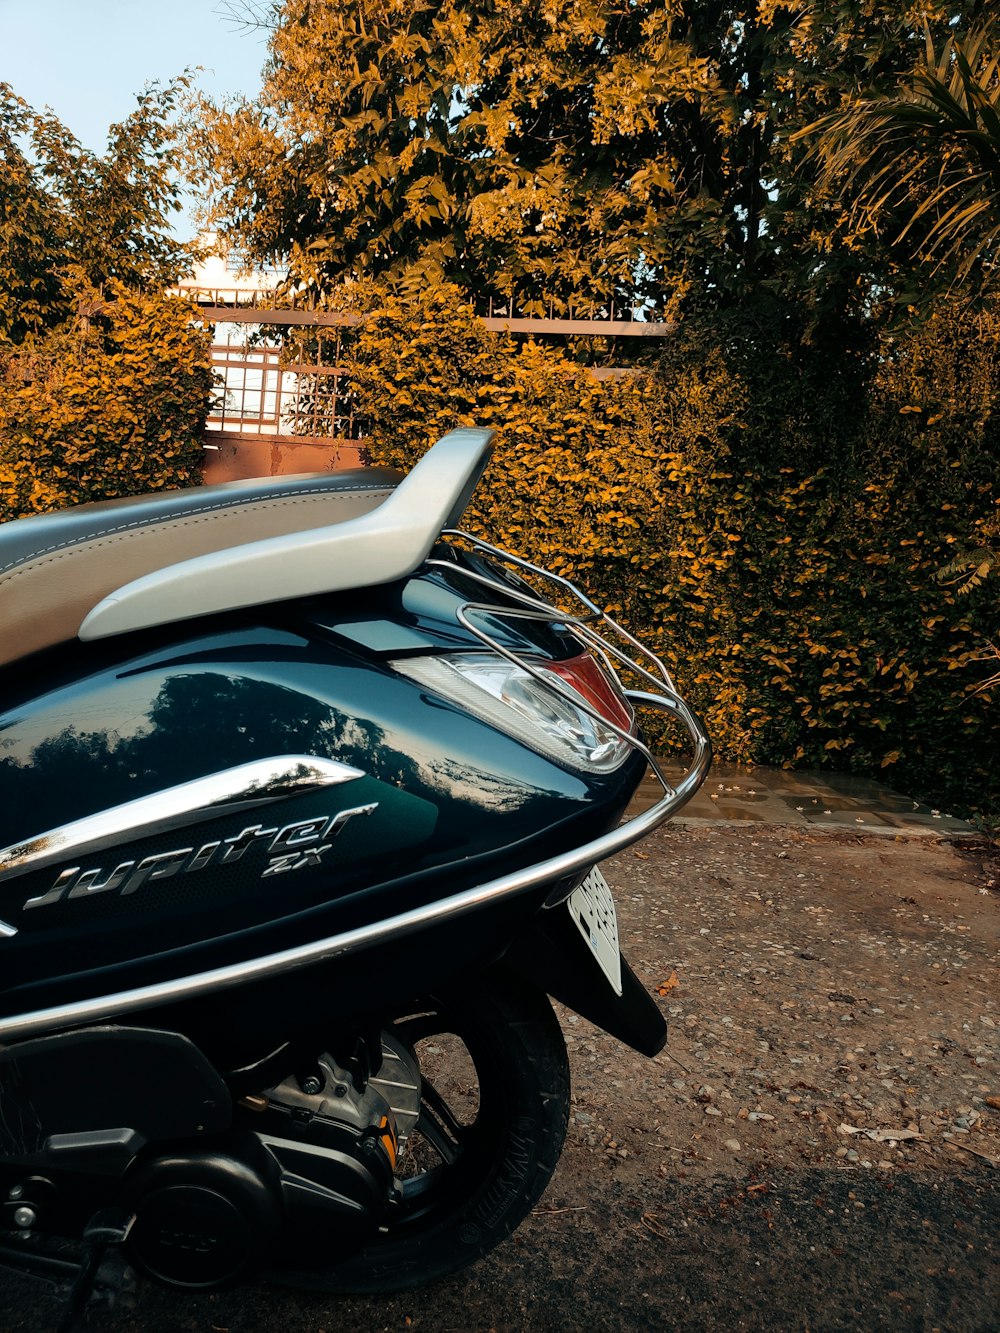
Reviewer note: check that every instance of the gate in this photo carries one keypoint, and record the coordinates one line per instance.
(285, 401)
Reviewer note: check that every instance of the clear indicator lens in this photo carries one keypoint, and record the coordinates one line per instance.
(551, 711)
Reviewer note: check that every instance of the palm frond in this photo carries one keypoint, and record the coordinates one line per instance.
(921, 167)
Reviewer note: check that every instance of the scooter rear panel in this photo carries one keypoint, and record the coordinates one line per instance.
(115, 871)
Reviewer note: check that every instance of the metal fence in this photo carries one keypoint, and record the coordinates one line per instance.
(283, 384)
(286, 387)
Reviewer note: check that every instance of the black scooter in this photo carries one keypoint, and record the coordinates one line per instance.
(301, 797)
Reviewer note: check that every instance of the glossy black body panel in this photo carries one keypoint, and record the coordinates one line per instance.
(455, 802)
(148, 1085)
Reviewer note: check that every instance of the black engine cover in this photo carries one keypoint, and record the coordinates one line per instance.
(204, 1219)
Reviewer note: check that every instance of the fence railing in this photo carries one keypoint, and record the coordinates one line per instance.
(282, 381)
(268, 390)
(610, 318)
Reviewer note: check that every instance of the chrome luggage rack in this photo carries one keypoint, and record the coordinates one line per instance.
(661, 694)
(587, 627)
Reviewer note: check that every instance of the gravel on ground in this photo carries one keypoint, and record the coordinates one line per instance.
(817, 1149)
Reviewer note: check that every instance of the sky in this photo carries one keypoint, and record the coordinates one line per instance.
(87, 59)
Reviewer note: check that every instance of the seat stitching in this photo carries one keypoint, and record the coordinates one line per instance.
(183, 516)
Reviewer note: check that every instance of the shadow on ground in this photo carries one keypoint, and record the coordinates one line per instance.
(817, 1250)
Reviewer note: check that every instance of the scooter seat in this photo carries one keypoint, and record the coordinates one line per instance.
(55, 568)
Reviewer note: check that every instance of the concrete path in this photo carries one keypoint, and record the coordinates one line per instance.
(809, 798)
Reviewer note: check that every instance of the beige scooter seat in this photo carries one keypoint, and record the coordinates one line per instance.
(121, 565)
(55, 568)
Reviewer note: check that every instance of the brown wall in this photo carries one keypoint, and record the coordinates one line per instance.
(235, 459)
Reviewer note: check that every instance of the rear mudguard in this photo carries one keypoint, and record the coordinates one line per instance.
(552, 955)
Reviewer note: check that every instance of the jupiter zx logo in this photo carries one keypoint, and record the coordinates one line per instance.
(298, 846)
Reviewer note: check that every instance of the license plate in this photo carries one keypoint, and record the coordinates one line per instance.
(593, 909)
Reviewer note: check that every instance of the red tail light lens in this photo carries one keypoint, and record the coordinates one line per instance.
(585, 675)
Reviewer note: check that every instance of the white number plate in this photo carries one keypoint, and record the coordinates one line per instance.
(593, 909)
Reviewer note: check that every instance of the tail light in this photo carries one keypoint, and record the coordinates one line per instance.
(585, 676)
(568, 710)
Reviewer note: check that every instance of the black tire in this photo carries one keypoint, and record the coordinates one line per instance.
(502, 1157)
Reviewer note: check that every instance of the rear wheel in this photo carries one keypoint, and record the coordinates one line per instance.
(493, 1111)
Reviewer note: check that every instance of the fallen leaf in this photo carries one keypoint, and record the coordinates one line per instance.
(670, 984)
(955, 1143)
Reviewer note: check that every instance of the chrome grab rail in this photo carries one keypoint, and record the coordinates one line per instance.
(661, 697)
(662, 694)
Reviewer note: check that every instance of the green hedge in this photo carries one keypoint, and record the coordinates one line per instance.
(769, 511)
(111, 405)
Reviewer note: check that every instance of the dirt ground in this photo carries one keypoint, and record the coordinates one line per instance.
(817, 1149)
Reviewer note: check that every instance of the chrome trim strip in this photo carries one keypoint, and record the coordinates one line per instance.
(242, 788)
(7, 932)
(381, 932)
